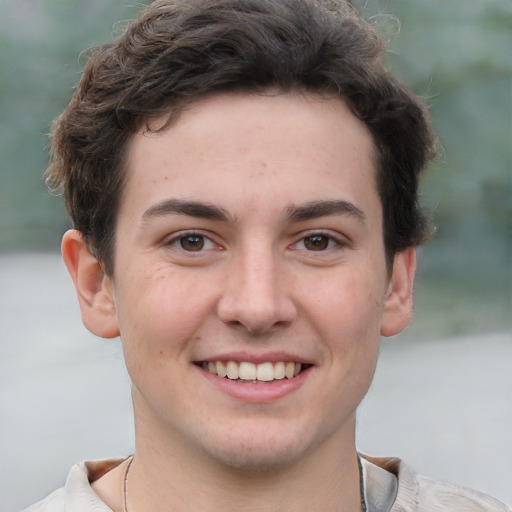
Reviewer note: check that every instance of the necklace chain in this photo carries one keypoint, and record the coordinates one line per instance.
(364, 507)
(125, 484)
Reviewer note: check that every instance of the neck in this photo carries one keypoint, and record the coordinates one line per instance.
(167, 477)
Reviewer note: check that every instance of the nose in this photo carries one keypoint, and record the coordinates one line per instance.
(257, 293)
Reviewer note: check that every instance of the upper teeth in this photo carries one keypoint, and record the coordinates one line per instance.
(249, 371)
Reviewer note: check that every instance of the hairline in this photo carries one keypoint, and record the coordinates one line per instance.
(171, 117)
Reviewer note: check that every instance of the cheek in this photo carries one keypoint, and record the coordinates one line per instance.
(348, 314)
(162, 312)
(159, 310)
(351, 302)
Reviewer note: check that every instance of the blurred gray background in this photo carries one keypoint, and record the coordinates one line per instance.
(64, 394)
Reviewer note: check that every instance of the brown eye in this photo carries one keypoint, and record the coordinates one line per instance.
(316, 242)
(192, 242)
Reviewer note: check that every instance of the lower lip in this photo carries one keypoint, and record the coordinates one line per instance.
(257, 393)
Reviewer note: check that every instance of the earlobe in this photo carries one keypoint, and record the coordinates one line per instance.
(399, 297)
(94, 288)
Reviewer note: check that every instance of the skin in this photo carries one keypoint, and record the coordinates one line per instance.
(258, 289)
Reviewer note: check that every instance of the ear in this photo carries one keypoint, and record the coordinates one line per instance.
(94, 288)
(398, 300)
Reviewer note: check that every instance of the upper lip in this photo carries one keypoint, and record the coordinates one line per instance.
(266, 357)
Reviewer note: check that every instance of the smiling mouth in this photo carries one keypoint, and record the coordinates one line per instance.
(251, 373)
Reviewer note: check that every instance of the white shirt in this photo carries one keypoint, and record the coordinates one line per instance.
(390, 486)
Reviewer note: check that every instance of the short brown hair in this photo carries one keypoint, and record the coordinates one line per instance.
(178, 51)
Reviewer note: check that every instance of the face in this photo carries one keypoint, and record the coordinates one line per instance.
(249, 242)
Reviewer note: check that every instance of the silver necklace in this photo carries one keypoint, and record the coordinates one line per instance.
(364, 507)
(125, 483)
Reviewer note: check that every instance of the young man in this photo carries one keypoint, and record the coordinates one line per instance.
(242, 180)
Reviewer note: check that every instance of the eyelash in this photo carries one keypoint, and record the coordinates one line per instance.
(176, 241)
(333, 242)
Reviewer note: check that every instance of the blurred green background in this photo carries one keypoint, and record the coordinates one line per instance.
(456, 53)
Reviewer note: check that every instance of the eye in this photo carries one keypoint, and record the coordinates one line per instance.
(191, 242)
(319, 242)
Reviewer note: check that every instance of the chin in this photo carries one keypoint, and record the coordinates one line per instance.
(255, 461)
(259, 453)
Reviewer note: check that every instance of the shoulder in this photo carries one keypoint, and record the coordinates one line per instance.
(417, 493)
(78, 495)
(434, 495)
(54, 502)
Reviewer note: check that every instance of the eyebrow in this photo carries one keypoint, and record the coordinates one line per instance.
(316, 209)
(190, 208)
(308, 211)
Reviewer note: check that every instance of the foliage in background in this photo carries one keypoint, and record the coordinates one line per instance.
(457, 54)
(43, 47)
(454, 52)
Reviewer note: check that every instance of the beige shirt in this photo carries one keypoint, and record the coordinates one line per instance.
(390, 486)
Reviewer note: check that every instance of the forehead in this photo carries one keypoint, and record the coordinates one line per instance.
(291, 147)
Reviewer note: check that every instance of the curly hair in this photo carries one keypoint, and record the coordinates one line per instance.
(179, 51)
